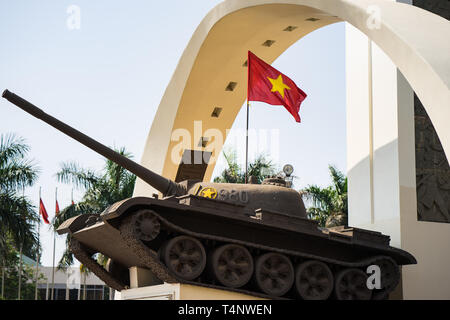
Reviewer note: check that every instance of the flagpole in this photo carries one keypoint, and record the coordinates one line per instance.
(54, 241)
(20, 259)
(3, 277)
(246, 146)
(38, 248)
(246, 129)
(37, 260)
(20, 272)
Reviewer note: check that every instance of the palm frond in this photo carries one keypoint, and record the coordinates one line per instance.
(67, 257)
(71, 173)
(17, 216)
(101, 190)
(18, 174)
(328, 202)
(320, 197)
(12, 147)
(339, 179)
(15, 171)
(261, 168)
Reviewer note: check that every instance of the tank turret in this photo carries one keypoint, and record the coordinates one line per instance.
(249, 238)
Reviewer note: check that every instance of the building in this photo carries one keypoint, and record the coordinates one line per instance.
(71, 285)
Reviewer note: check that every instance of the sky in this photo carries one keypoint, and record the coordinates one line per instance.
(107, 78)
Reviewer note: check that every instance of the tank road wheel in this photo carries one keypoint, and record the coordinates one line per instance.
(274, 274)
(351, 285)
(146, 225)
(390, 276)
(232, 265)
(390, 273)
(314, 280)
(185, 257)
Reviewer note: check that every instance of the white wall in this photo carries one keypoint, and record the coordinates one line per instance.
(372, 135)
(381, 167)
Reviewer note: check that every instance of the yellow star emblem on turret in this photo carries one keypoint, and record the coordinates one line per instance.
(278, 85)
(210, 193)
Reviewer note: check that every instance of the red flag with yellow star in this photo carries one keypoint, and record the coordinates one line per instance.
(267, 84)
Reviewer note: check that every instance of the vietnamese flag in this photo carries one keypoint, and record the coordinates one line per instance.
(267, 84)
(43, 212)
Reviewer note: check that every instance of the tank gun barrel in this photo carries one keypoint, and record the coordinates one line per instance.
(166, 186)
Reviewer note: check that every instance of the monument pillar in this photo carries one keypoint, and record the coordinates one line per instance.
(381, 167)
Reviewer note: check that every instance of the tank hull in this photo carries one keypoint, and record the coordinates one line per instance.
(214, 224)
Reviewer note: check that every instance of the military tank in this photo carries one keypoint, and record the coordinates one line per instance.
(250, 238)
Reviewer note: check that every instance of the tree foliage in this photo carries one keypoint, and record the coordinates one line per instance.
(329, 205)
(260, 168)
(17, 214)
(12, 274)
(102, 189)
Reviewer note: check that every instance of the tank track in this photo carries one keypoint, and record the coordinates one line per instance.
(150, 259)
(84, 255)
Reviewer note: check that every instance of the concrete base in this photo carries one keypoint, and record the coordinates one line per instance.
(140, 277)
(179, 291)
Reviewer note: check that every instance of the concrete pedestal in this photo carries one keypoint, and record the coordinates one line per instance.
(180, 291)
(381, 167)
(144, 285)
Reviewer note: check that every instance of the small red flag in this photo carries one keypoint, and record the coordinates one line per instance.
(43, 212)
(267, 84)
(56, 208)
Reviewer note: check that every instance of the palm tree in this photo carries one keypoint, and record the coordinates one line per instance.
(113, 184)
(329, 205)
(260, 169)
(17, 215)
(84, 272)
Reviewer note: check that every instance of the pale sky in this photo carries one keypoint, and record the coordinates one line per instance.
(107, 78)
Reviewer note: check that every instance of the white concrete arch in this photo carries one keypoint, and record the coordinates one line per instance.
(414, 39)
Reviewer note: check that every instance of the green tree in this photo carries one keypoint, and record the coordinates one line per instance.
(12, 274)
(17, 214)
(260, 168)
(329, 205)
(101, 190)
(84, 273)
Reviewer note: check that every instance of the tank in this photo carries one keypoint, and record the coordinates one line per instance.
(250, 238)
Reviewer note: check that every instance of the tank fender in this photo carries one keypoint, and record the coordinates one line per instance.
(74, 224)
(120, 207)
